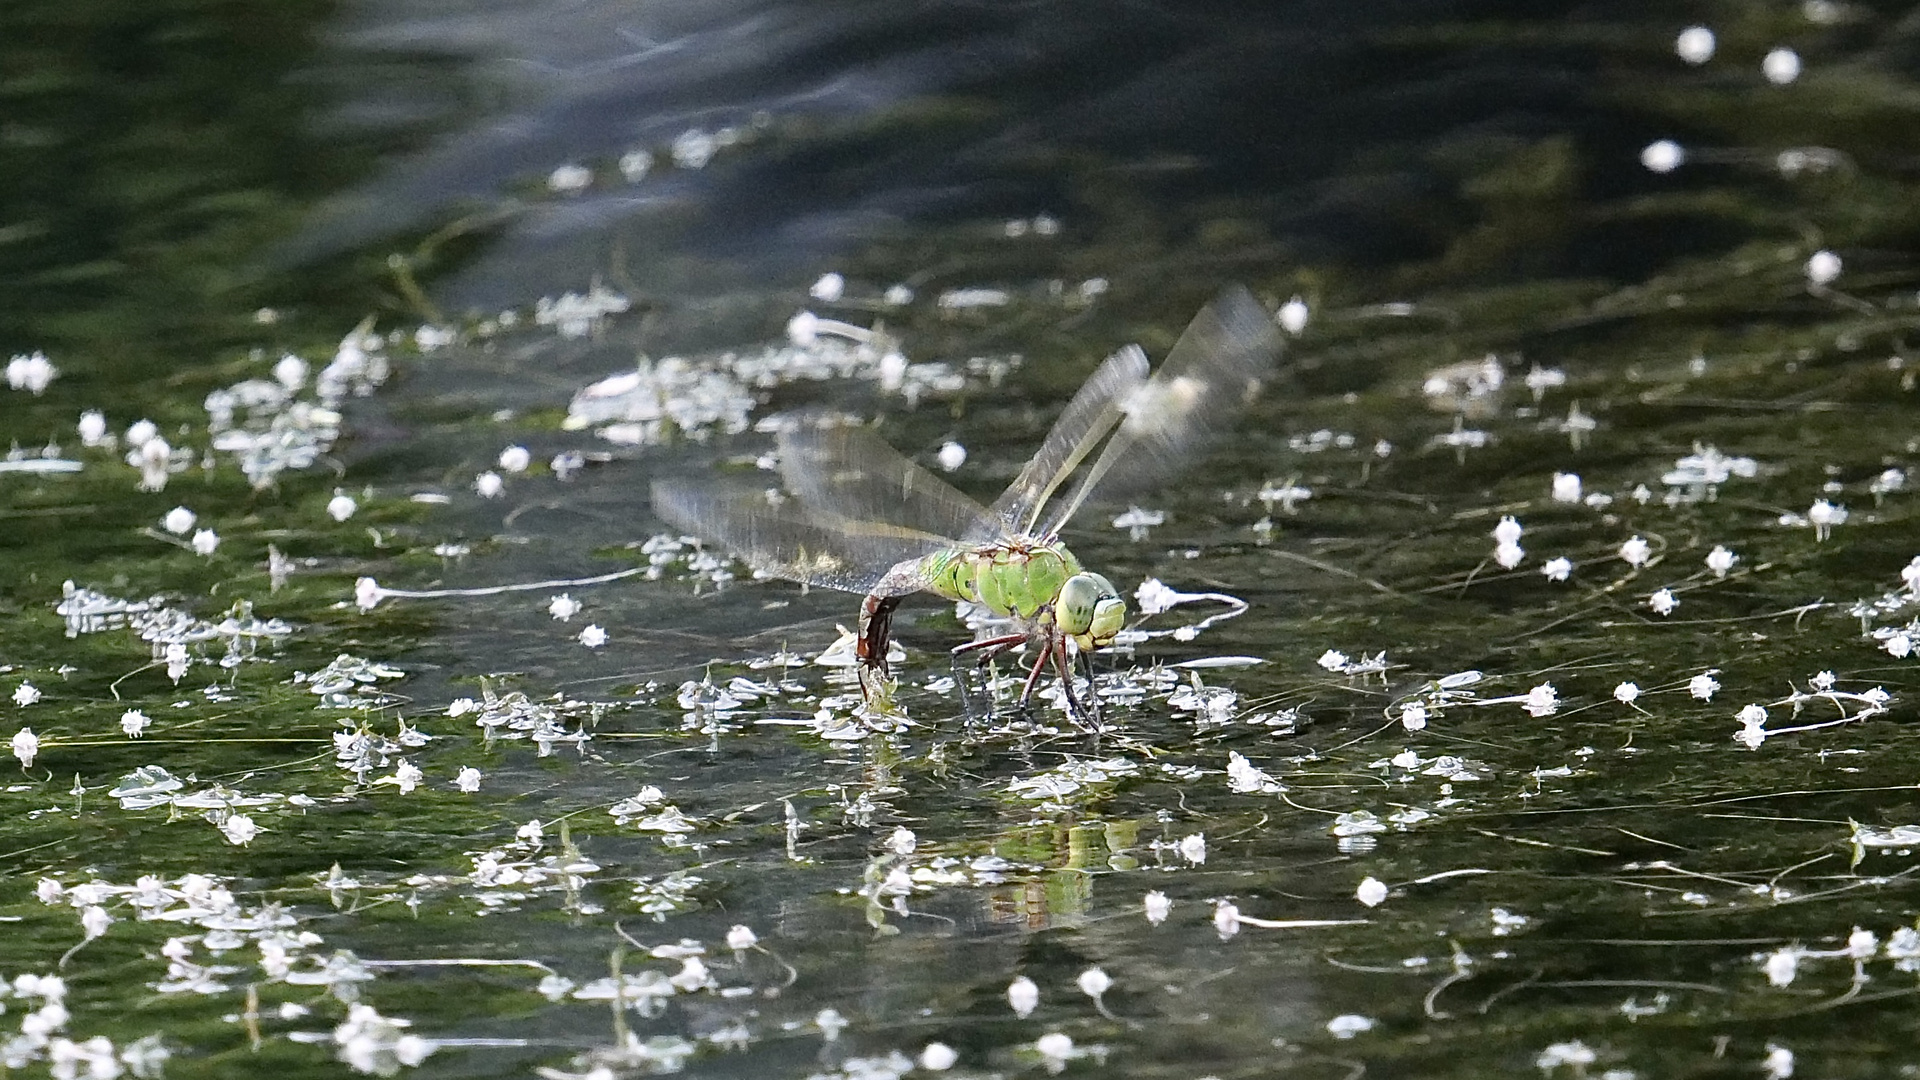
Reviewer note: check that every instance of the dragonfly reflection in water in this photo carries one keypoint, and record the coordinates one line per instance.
(859, 517)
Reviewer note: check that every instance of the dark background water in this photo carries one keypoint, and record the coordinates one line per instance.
(169, 169)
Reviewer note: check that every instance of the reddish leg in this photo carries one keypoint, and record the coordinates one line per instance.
(1033, 676)
(996, 645)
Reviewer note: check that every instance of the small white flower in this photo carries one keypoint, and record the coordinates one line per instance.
(141, 432)
(1094, 982)
(26, 694)
(1157, 906)
(1575, 1053)
(1226, 919)
(1543, 700)
(1557, 568)
(1899, 645)
(952, 455)
(32, 373)
(1332, 660)
(1823, 267)
(153, 458)
(25, 746)
(1720, 560)
(205, 542)
(1024, 996)
(1293, 316)
(938, 1057)
(468, 779)
(693, 148)
(179, 520)
(1372, 892)
(406, 777)
(515, 459)
(1782, 965)
(1349, 1025)
(742, 938)
(532, 832)
(240, 829)
(366, 593)
(1663, 602)
(1636, 552)
(1779, 1063)
(93, 427)
(94, 921)
(462, 706)
(341, 507)
(1194, 848)
(134, 723)
(290, 371)
(1508, 531)
(489, 485)
(1626, 693)
(902, 841)
(1508, 555)
(1695, 45)
(1566, 487)
(635, 164)
(1781, 66)
(569, 179)
(1056, 1047)
(1862, 944)
(829, 288)
(563, 607)
(1823, 516)
(1663, 156)
(898, 295)
(1822, 681)
(593, 637)
(1413, 716)
(1703, 686)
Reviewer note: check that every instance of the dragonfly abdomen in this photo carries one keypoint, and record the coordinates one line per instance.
(1011, 578)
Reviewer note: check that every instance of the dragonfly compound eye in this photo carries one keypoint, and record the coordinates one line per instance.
(1090, 610)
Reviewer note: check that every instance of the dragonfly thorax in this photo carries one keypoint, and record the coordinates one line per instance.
(1031, 579)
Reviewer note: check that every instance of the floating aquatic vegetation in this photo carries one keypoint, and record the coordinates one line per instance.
(176, 637)
(514, 715)
(31, 372)
(1067, 778)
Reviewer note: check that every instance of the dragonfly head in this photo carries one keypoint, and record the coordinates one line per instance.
(1090, 611)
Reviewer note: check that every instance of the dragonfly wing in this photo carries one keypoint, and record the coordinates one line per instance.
(849, 474)
(777, 536)
(1087, 419)
(1226, 354)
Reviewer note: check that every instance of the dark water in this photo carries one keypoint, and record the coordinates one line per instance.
(1525, 822)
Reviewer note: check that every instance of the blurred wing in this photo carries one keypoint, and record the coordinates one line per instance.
(850, 475)
(1087, 419)
(776, 536)
(1227, 353)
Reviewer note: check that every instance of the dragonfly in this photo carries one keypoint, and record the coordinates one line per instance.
(858, 516)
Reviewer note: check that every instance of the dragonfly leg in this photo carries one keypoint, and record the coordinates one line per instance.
(1093, 694)
(870, 647)
(988, 648)
(1033, 676)
(995, 645)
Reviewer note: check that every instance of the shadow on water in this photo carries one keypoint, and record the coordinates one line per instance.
(1564, 732)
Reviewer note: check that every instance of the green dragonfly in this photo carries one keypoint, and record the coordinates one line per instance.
(858, 516)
